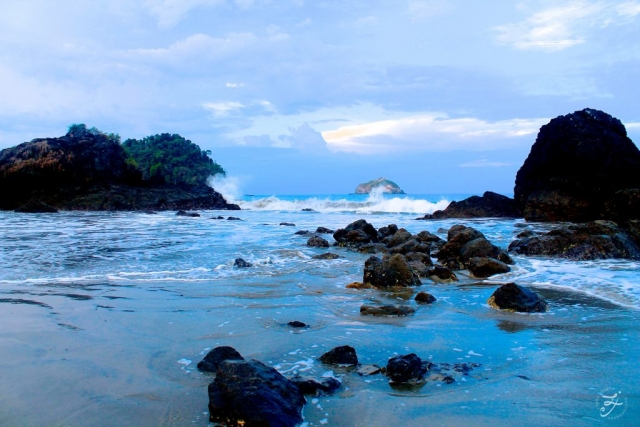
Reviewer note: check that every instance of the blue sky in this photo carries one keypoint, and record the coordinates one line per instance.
(314, 97)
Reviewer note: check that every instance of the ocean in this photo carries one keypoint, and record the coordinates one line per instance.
(104, 316)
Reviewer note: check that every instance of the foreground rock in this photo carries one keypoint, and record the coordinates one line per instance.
(465, 243)
(405, 369)
(579, 242)
(512, 297)
(89, 171)
(580, 167)
(215, 357)
(389, 272)
(356, 233)
(343, 355)
(483, 267)
(386, 310)
(425, 298)
(384, 185)
(490, 205)
(321, 387)
(317, 242)
(252, 394)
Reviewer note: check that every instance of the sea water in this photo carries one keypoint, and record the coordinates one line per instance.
(103, 317)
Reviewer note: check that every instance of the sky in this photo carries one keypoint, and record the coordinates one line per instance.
(315, 97)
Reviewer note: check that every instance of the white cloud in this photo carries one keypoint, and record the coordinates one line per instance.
(429, 132)
(220, 109)
(561, 27)
(484, 163)
(304, 138)
(170, 12)
(424, 10)
(632, 125)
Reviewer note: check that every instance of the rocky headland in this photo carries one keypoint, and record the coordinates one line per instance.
(89, 170)
(385, 185)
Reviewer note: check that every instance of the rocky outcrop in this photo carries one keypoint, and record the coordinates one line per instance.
(256, 394)
(465, 243)
(512, 297)
(357, 233)
(490, 205)
(582, 167)
(578, 242)
(385, 185)
(89, 171)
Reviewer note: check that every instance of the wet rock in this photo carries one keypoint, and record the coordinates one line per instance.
(490, 205)
(481, 247)
(425, 298)
(326, 256)
(357, 232)
(387, 231)
(405, 369)
(240, 263)
(512, 297)
(36, 207)
(217, 217)
(411, 245)
(366, 370)
(458, 236)
(588, 241)
(287, 224)
(324, 230)
(576, 166)
(308, 210)
(398, 238)
(302, 232)
(321, 387)
(373, 248)
(386, 310)
(434, 242)
(216, 356)
(482, 267)
(233, 218)
(188, 214)
(297, 324)
(420, 263)
(442, 274)
(389, 272)
(317, 242)
(343, 355)
(525, 233)
(257, 395)
(359, 285)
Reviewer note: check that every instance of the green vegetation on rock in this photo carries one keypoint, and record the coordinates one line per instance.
(172, 159)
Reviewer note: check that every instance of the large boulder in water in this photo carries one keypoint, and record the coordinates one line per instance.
(215, 357)
(511, 297)
(254, 393)
(389, 272)
(490, 205)
(575, 168)
(357, 233)
(407, 368)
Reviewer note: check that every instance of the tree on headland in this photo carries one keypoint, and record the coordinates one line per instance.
(80, 129)
(172, 159)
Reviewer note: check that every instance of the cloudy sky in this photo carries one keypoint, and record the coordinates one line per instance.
(314, 97)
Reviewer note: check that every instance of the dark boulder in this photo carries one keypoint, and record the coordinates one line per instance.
(442, 274)
(373, 248)
(216, 356)
(397, 238)
(405, 369)
(187, 214)
(411, 245)
(576, 167)
(490, 205)
(482, 267)
(343, 355)
(240, 263)
(387, 231)
(425, 298)
(420, 263)
(458, 236)
(234, 218)
(321, 387)
(511, 297)
(578, 242)
(297, 324)
(357, 232)
(434, 242)
(326, 256)
(287, 224)
(324, 230)
(302, 232)
(389, 272)
(317, 242)
(481, 247)
(308, 210)
(386, 310)
(255, 394)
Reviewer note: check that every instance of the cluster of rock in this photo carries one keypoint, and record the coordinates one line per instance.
(87, 171)
(490, 205)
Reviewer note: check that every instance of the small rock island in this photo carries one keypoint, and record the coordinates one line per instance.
(386, 185)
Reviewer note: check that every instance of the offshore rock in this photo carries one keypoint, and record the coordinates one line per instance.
(511, 297)
(216, 356)
(490, 205)
(253, 394)
(86, 171)
(385, 185)
(580, 242)
(324, 230)
(386, 310)
(343, 355)
(241, 263)
(407, 368)
(577, 166)
(326, 256)
(389, 272)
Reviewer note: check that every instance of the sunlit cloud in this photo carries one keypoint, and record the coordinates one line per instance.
(220, 109)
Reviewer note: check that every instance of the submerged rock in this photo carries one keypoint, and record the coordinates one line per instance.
(577, 166)
(216, 356)
(324, 230)
(490, 205)
(425, 298)
(317, 242)
(323, 386)
(405, 369)
(578, 242)
(326, 256)
(188, 214)
(254, 394)
(512, 297)
(297, 324)
(386, 310)
(287, 224)
(343, 355)
(483, 267)
(442, 274)
(389, 272)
